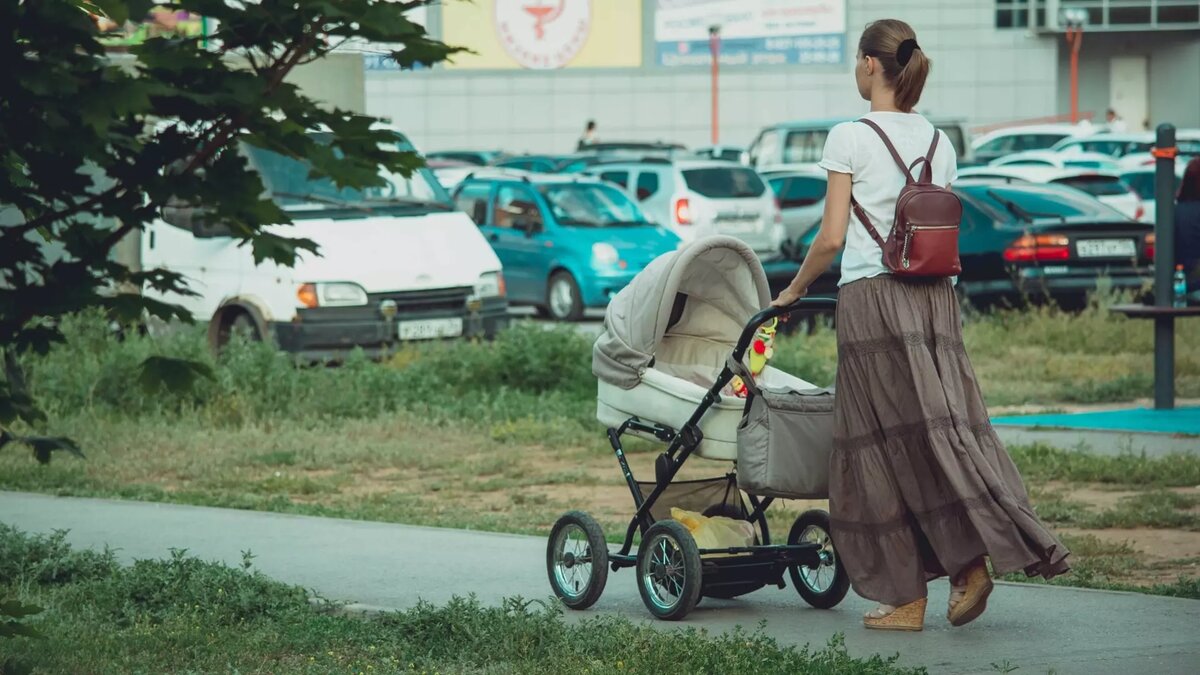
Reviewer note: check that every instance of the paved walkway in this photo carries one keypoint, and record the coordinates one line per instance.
(382, 565)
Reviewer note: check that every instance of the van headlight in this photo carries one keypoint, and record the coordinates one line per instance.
(604, 255)
(490, 285)
(334, 294)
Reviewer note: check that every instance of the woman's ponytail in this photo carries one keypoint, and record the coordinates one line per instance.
(905, 67)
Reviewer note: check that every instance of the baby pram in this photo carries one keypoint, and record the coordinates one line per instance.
(672, 340)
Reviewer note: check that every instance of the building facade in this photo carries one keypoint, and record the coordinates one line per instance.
(641, 68)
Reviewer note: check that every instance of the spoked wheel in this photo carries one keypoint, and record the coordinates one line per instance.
(823, 586)
(668, 570)
(577, 560)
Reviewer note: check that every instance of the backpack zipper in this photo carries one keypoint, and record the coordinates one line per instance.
(908, 235)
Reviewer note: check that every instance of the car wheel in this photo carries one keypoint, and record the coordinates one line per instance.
(563, 297)
(240, 324)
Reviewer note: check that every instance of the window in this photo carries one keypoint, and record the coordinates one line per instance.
(724, 182)
(591, 205)
(765, 150)
(801, 191)
(647, 185)
(616, 177)
(472, 200)
(1097, 186)
(805, 147)
(1015, 14)
(1028, 162)
(516, 207)
(1036, 141)
(1143, 183)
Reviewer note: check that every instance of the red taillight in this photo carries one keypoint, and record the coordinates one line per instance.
(683, 212)
(1149, 246)
(1038, 248)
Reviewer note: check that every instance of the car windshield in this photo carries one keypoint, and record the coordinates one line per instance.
(724, 182)
(1006, 201)
(591, 205)
(1097, 186)
(288, 181)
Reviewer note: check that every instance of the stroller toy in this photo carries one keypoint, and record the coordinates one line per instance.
(761, 350)
(673, 339)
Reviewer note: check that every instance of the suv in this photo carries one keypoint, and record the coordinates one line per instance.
(800, 144)
(698, 198)
(567, 242)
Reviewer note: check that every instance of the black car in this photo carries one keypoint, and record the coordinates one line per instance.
(1028, 241)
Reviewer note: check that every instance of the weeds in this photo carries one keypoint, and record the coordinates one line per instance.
(1042, 462)
(184, 615)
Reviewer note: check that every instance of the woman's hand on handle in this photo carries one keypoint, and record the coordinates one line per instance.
(789, 296)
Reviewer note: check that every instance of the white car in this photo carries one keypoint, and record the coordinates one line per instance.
(1002, 142)
(698, 198)
(396, 263)
(1129, 147)
(1056, 160)
(1105, 186)
(1143, 181)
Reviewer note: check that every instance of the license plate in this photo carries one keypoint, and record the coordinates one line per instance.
(431, 329)
(736, 226)
(1105, 248)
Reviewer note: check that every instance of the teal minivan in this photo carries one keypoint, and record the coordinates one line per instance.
(567, 243)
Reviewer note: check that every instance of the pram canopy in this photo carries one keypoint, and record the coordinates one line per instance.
(682, 313)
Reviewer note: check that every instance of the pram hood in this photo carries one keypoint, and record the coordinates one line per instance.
(721, 275)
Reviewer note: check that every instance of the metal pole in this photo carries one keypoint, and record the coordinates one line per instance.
(1164, 267)
(1075, 37)
(714, 46)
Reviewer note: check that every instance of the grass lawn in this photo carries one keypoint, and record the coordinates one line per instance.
(501, 436)
(185, 615)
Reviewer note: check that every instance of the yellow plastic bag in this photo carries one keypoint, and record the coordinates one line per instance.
(715, 531)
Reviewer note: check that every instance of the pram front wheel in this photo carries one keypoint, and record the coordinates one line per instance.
(669, 571)
(825, 585)
(577, 560)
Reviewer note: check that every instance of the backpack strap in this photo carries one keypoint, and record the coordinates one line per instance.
(862, 217)
(927, 170)
(892, 149)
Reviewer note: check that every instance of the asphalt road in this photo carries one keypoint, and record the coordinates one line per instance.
(386, 566)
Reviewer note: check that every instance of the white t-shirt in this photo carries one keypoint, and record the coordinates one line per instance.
(855, 148)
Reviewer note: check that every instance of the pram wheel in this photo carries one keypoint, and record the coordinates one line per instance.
(577, 560)
(823, 586)
(668, 570)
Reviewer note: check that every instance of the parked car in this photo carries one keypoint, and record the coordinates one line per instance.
(697, 198)
(727, 153)
(476, 157)
(801, 198)
(1023, 240)
(1143, 181)
(1106, 186)
(535, 163)
(1057, 160)
(396, 263)
(1122, 145)
(797, 145)
(567, 242)
(634, 147)
(1002, 142)
(450, 172)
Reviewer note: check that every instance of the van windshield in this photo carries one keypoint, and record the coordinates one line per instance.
(591, 205)
(289, 184)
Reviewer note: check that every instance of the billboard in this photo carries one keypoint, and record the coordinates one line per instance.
(753, 32)
(544, 34)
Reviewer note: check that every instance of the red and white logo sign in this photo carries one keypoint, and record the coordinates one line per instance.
(543, 34)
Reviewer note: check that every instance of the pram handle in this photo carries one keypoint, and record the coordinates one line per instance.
(801, 305)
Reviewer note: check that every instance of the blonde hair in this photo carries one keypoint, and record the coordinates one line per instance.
(884, 40)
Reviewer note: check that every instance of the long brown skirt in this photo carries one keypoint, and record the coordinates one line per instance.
(920, 485)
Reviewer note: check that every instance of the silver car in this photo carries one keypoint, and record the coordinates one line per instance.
(801, 197)
(698, 198)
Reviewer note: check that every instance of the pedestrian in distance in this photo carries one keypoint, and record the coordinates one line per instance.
(589, 135)
(1116, 123)
(921, 486)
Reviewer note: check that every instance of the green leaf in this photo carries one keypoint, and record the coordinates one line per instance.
(175, 375)
(11, 629)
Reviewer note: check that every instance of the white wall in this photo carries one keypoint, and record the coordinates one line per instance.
(979, 73)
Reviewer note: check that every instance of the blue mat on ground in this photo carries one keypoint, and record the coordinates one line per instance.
(1178, 421)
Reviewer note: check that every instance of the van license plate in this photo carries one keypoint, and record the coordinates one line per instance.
(1106, 248)
(736, 226)
(431, 329)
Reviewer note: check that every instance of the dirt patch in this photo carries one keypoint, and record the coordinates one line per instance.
(1102, 497)
(1154, 544)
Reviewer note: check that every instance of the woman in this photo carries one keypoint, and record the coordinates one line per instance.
(920, 485)
(1187, 223)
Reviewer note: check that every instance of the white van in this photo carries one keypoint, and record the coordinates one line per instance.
(397, 263)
